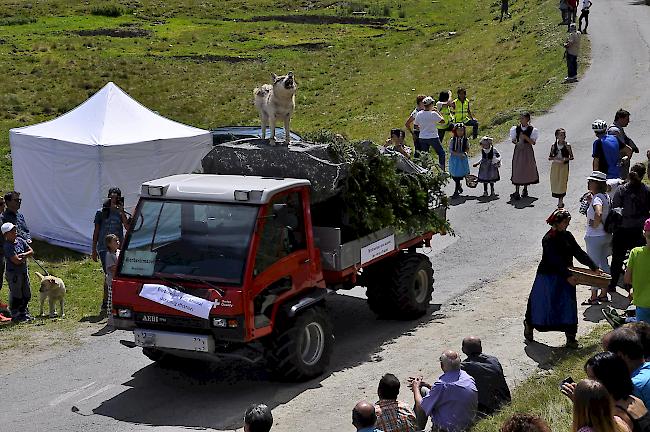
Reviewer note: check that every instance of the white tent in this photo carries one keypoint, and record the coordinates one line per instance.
(63, 168)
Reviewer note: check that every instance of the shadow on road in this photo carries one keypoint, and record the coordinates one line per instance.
(465, 198)
(215, 395)
(523, 203)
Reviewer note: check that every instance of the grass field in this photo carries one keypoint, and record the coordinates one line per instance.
(359, 66)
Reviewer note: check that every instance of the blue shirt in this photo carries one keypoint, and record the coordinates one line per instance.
(13, 249)
(369, 429)
(641, 381)
(19, 221)
(452, 401)
(110, 225)
(607, 150)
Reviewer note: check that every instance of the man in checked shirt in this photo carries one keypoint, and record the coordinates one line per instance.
(393, 415)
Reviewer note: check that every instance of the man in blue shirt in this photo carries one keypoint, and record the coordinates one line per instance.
(12, 215)
(16, 252)
(606, 153)
(452, 401)
(625, 343)
(364, 417)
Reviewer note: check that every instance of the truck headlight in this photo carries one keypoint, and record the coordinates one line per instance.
(124, 313)
(219, 322)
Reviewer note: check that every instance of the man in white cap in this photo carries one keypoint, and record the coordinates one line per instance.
(572, 47)
(16, 252)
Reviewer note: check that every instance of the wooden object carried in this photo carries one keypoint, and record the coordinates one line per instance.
(590, 277)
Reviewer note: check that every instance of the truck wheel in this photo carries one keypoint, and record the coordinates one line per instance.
(404, 289)
(302, 350)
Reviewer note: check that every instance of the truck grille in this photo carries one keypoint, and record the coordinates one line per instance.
(170, 322)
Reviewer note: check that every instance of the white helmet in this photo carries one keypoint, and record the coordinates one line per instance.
(599, 125)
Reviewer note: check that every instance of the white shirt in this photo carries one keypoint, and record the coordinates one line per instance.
(513, 134)
(427, 121)
(603, 200)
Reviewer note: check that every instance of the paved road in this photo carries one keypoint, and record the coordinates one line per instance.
(120, 390)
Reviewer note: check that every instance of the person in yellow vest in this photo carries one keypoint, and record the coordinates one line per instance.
(463, 113)
(445, 107)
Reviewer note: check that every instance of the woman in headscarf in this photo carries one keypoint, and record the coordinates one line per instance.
(552, 304)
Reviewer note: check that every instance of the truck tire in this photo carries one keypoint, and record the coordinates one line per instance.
(302, 349)
(401, 290)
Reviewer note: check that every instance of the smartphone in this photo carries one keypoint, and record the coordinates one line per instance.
(567, 380)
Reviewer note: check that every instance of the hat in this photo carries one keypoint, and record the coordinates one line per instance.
(428, 100)
(646, 225)
(558, 216)
(598, 176)
(486, 140)
(612, 130)
(6, 227)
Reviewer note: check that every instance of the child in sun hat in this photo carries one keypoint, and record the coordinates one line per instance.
(16, 252)
(488, 171)
(638, 276)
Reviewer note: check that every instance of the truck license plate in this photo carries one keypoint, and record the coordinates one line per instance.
(165, 339)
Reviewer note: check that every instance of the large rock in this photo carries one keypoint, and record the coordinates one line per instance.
(299, 160)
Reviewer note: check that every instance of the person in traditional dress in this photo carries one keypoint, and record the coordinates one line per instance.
(560, 155)
(524, 168)
(458, 162)
(552, 304)
(488, 166)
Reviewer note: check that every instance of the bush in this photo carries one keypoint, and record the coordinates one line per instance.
(377, 195)
(16, 20)
(112, 11)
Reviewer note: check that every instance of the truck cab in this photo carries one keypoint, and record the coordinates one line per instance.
(219, 266)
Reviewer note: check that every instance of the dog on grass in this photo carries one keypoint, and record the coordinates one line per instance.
(276, 102)
(53, 289)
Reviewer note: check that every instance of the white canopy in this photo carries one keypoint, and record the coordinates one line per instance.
(63, 168)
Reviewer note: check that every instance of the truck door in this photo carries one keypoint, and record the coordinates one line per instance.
(282, 261)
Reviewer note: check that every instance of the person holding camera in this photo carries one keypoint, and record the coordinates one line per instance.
(110, 219)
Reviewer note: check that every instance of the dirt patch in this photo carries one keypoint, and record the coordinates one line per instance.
(123, 32)
(306, 46)
(322, 19)
(32, 344)
(210, 58)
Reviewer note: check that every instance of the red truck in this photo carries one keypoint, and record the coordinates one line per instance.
(217, 266)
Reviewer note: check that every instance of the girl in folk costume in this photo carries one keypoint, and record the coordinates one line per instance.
(560, 156)
(458, 162)
(552, 304)
(524, 168)
(488, 171)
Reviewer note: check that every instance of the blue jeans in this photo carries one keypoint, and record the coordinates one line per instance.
(643, 314)
(599, 248)
(572, 65)
(426, 143)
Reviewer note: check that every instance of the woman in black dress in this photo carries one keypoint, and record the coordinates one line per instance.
(552, 304)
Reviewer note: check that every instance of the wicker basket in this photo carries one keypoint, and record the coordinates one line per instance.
(471, 181)
(590, 278)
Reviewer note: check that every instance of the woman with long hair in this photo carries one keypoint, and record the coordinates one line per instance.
(593, 409)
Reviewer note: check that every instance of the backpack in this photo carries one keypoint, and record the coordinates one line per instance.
(614, 218)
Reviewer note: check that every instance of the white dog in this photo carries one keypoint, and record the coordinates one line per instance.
(53, 289)
(276, 102)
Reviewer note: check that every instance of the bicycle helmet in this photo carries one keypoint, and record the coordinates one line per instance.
(599, 125)
(459, 126)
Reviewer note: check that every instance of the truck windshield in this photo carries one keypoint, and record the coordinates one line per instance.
(189, 239)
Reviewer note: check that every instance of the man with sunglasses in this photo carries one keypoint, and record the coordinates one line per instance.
(11, 214)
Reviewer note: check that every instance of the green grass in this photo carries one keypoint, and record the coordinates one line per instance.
(540, 394)
(197, 62)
